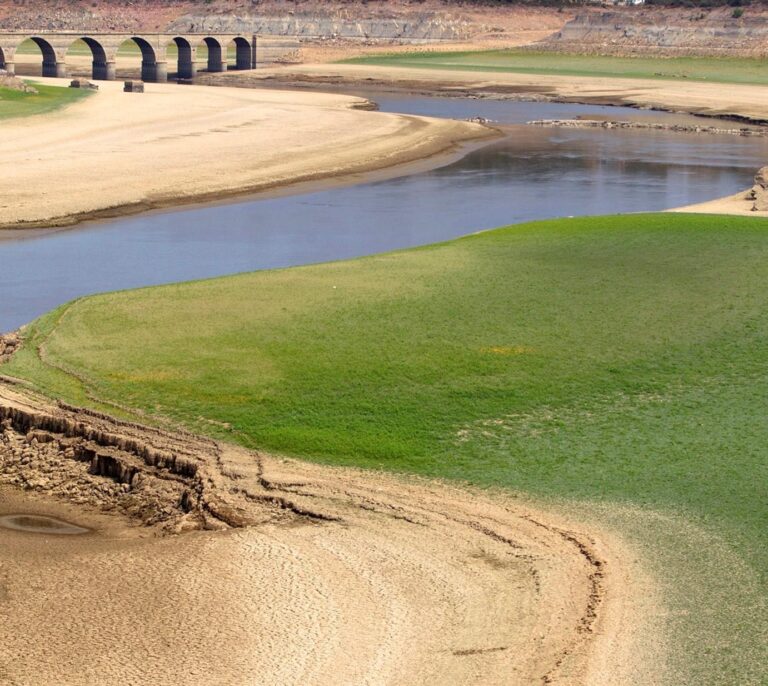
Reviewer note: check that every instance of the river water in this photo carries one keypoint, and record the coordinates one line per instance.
(532, 173)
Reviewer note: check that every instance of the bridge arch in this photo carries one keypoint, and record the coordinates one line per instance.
(185, 65)
(51, 64)
(2, 59)
(103, 67)
(243, 53)
(151, 69)
(217, 57)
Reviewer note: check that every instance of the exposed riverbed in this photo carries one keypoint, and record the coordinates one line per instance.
(531, 173)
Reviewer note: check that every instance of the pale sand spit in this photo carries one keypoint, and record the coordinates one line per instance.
(175, 144)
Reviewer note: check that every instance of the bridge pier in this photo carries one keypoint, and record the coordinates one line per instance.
(55, 69)
(10, 67)
(217, 64)
(154, 72)
(243, 60)
(104, 70)
(161, 72)
(187, 70)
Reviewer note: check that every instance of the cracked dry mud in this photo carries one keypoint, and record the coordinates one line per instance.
(209, 563)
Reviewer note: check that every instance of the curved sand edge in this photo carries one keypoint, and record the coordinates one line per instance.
(117, 153)
(736, 204)
(341, 576)
(740, 101)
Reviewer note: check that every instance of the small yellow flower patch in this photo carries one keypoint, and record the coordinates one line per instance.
(508, 350)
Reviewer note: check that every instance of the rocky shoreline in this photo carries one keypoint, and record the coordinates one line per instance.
(15, 84)
(647, 126)
(759, 192)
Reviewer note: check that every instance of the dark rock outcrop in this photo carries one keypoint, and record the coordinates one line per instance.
(15, 84)
(759, 192)
(9, 344)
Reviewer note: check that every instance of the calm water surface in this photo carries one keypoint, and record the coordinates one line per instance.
(533, 173)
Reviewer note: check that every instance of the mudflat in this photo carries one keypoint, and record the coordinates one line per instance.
(117, 152)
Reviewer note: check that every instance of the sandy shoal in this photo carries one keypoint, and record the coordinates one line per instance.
(713, 99)
(324, 576)
(737, 204)
(182, 143)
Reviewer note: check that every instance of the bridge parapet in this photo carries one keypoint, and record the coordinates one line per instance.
(54, 46)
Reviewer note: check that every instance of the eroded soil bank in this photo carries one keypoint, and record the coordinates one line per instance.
(287, 569)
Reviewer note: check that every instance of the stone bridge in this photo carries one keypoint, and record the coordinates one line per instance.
(54, 46)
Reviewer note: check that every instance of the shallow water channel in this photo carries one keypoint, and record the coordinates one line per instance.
(532, 173)
(40, 524)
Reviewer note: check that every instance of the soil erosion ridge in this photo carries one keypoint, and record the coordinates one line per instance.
(267, 570)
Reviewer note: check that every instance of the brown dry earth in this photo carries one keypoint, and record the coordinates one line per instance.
(117, 152)
(467, 21)
(292, 573)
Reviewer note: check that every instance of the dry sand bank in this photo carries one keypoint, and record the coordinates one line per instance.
(117, 152)
(711, 99)
(752, 202)
(316, 575)
(737, 204)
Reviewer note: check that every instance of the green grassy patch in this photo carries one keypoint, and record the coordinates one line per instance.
(14, 103)
(720, 69)
(616, 359)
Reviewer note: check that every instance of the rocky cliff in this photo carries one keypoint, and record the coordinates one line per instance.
(375, 20)
(667, 32)
(415, 28)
